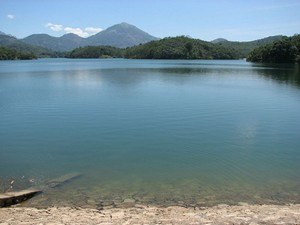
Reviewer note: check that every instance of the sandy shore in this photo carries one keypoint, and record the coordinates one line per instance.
(221, 214)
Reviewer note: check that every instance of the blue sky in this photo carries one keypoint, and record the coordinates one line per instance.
(207, 20)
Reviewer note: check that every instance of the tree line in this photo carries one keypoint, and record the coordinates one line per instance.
(286, 50)
(167, 48)
(180, 48)
(12, 54)
(95, 52)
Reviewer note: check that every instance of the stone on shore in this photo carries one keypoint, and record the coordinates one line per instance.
(12, 198)
(222, 214)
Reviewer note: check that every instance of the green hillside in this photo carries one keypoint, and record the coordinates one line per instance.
(180, 48)
(12, 54)
(95, 52)
(286, 50)
(244, 48)
(13, 43)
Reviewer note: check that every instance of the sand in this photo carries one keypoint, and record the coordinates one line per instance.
(139, 214)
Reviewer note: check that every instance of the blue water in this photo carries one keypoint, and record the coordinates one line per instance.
(165, 132)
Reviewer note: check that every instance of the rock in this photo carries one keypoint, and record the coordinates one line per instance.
(12, 198)
(62, 180)
(91, 202)
(222, 205)
(128, 202)
(243, 204)
(108, 207)
(108, 203)
(250, 214)
(117, 202)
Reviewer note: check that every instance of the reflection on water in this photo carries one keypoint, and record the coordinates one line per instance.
(161, 132)
(289, 74)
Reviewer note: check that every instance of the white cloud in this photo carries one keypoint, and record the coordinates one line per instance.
(10, 16)
(92, 30)
(54, 27)
(86, 32)
(77, 31)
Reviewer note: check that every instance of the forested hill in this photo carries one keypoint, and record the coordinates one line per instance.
(12, 54)
(96, 52)
(13, 43)
(180, 48)
(66, 42)
(244, 48)
(286, 50)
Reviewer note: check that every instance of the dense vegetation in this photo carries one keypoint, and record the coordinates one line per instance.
(180, 48)
(286, 50)
(244, 48)
(275, 49)
(12, 54)
(167, 48)
(13, 43)
(283, 49)
(95, 52)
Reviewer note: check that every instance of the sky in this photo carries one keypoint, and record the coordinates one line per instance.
(207, 20)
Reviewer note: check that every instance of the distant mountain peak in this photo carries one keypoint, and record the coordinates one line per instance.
(219, 40)
(66, 42)
(124, 24)
(2, 33)
(40, 35)
(70, 35)
(120, 35)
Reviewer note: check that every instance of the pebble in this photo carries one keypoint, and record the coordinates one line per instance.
(128, 202)
(246, 214)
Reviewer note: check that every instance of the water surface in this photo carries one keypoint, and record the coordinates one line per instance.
(161, 132)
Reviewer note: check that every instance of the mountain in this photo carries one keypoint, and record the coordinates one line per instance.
(77, 40)
(244, 48)
(11, 42)
(125, 35)
(120, 35)
(180, 48)
(2, 33)
(66, 42)
(219, 40)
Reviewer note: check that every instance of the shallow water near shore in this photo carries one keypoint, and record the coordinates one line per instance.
(163, 132)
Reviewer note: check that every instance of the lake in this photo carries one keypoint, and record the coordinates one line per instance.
(163, 132)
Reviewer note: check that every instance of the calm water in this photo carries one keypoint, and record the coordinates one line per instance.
(160, 132)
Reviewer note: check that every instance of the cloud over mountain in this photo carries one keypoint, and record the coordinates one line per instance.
(54, 27)
(86, 32)
(120, 35)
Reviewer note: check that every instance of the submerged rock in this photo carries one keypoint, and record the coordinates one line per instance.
(12, 198)
(128, 202)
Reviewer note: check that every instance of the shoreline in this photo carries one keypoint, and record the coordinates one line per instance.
(143, 214)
